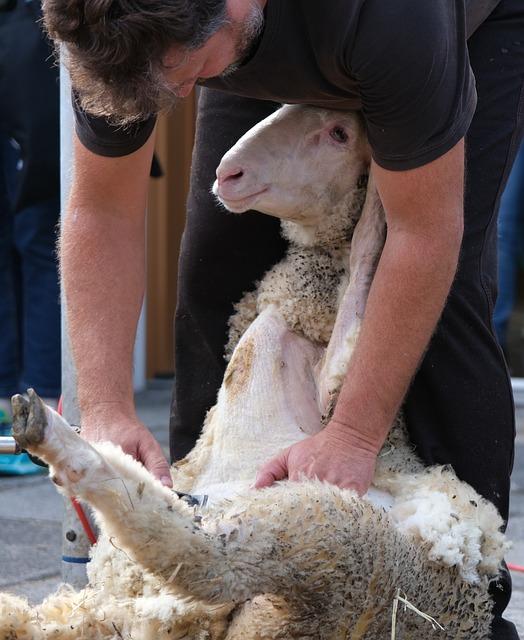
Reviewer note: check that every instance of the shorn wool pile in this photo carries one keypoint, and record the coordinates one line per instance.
(297, 560)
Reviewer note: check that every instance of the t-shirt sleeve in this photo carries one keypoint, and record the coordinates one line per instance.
(106, 139)
(417, 88)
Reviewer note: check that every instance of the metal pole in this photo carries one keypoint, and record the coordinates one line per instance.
(139, 354)
(75, 544)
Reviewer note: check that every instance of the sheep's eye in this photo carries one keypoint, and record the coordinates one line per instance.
(338, 134)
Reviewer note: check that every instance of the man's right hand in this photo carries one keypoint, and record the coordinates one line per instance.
(132, 435)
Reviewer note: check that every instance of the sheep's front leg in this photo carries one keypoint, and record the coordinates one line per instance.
(366, 246)
(44, 433)
(102, 475)
(140, 516)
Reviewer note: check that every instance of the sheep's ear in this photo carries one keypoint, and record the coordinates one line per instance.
(364, 148)
(369, 235)
(366, 247)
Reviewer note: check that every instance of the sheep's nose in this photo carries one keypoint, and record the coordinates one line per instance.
(229, 175)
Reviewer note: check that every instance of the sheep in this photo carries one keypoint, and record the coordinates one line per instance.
(297, 560)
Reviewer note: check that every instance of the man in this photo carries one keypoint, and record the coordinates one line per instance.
(407, 66)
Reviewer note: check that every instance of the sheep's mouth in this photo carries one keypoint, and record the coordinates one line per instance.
(239, 205)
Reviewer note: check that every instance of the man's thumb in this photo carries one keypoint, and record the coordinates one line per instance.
(272, 471)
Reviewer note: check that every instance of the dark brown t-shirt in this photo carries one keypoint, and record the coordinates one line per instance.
(404, 63)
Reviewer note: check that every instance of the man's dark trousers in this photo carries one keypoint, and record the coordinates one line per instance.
(459, 408)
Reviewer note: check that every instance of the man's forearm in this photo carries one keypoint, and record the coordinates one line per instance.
(102, 263)
(102, 258)
(103, 268)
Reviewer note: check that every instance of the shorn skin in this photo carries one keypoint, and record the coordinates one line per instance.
(297, 560)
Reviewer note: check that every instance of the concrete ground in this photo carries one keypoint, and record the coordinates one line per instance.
(31, 515)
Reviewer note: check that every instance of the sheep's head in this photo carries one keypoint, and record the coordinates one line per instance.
(301, 164)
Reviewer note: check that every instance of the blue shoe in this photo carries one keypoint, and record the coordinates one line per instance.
(11, 464)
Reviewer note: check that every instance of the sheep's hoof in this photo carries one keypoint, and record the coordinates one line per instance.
(29, 420)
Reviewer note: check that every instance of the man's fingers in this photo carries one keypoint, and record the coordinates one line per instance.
(272, 471)
(264, 479)
(154, 461)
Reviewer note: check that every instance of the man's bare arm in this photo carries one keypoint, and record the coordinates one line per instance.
(103, 273)
(424, 212)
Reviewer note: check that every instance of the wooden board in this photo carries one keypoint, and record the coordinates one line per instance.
(165, 224)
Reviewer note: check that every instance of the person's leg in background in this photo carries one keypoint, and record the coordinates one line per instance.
(35, 191)
(510, 231)
(29, 115)
(222, 256)
(35, 238)
(459, 409)
(9, 355)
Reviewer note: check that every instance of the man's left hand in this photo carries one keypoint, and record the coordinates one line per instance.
(334, 455)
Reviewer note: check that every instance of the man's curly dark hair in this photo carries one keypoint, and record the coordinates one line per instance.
(114, 48)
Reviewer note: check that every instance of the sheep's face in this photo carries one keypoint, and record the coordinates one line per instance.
(297, 164)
